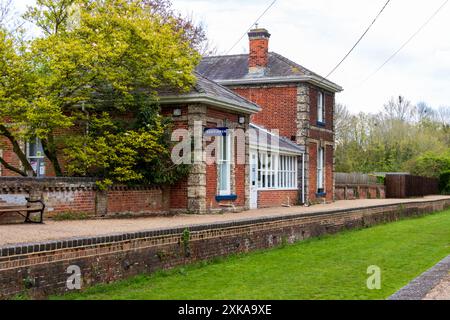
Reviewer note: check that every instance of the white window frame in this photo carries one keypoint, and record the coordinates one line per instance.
(224, 160)
(321, 107)
(321, 170)
(280, 173)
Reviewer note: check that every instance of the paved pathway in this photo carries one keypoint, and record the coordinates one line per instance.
(52, 230)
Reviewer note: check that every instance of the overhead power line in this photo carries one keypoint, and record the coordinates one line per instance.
(253, 24)
(407, 41)
(246, 33)
(359, 40)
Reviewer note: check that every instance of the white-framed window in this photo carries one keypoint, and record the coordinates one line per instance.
(320, 107)
(321, 170)
(224, 163)
(276, 171)
(287, 172)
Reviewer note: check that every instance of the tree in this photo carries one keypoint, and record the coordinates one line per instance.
(431, 164)
(14, 90)
(400, 109)
(94, 74)
(392, 140)
(5, 11)
(111, 63)
(424, 113)
(342, 122)
(443, 115)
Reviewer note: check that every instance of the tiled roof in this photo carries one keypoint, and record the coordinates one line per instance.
(235, 67)
(208, 89)
(265, 139)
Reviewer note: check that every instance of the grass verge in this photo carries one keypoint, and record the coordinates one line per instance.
(329, 267)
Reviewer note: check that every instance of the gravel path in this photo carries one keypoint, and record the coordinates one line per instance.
(441, 291)
(51, 230)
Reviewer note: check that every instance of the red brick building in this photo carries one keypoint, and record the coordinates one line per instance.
(294, 100)
(239, 162)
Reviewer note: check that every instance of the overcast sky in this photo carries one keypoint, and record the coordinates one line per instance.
(317, 34)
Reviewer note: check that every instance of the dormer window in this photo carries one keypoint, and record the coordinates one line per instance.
(320, 108)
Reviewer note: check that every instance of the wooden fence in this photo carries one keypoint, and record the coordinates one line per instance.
(406, 186)
(350, 186)
(355, 179)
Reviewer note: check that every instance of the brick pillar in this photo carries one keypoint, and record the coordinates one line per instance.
(197, 176)
(303, 118)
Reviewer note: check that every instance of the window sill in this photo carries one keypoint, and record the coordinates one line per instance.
(321, 124)
(231, 197)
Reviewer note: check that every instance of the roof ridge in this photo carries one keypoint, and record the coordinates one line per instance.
(226, 55)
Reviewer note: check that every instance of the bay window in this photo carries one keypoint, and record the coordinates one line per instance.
(277, 171)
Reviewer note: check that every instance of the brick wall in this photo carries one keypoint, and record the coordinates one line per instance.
(352, 192)
(137, 200)
(329, 173)
(178, 195)
(329, 108)
(279, 107)
(81, 196)
(277, 198)
(41, 269)
(9, 156)
(312, 170)
(320, 135)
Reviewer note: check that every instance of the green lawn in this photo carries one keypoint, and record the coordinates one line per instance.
(332, 267)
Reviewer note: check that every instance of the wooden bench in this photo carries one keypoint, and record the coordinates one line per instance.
(33, 206)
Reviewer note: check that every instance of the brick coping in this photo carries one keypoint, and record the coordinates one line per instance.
(423, 284)
(79, 242)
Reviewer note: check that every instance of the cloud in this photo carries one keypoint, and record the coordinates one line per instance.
(318, 33)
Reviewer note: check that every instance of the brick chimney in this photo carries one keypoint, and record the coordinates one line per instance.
(259, 51)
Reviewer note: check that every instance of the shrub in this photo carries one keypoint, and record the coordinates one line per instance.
(444, 182)
(431, 164)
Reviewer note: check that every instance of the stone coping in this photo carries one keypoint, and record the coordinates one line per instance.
(11, 250)
(27, 184)
(423, 284)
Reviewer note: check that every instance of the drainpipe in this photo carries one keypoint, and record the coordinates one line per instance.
(303, 179)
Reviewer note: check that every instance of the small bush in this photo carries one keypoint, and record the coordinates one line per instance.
(444, 182)
(381, 180)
